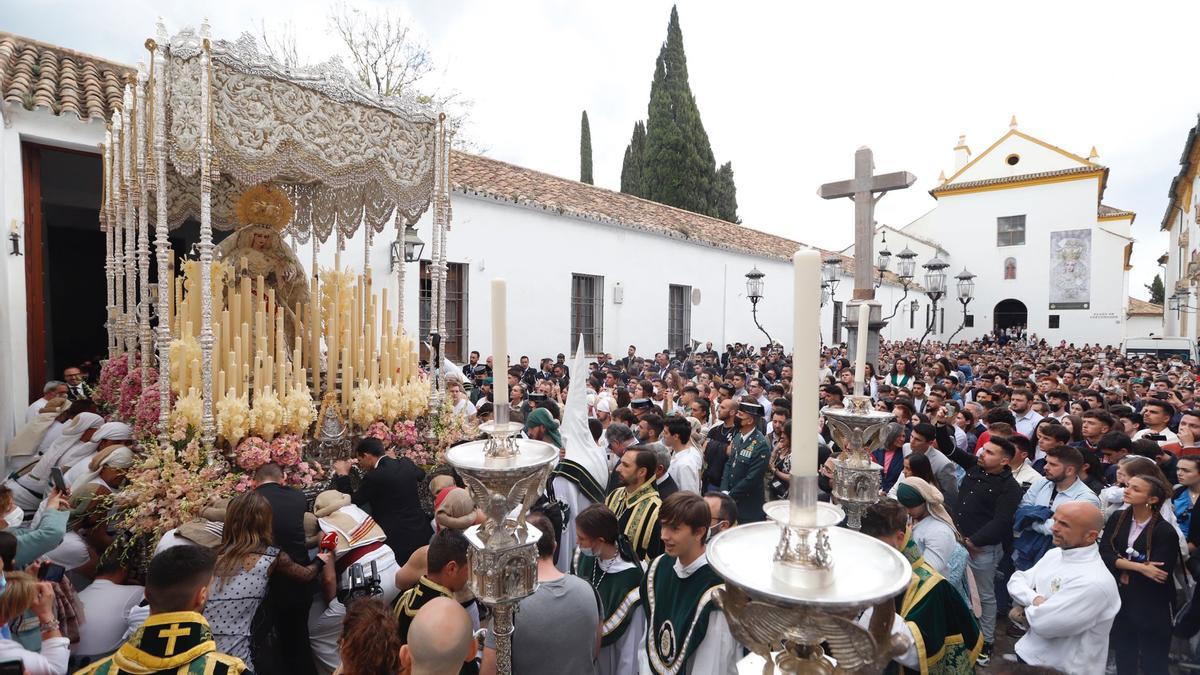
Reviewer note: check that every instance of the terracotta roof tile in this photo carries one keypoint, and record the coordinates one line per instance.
(1142, 308)
(504, 182)
(1106, 211)
(970, 184)
(37, 75)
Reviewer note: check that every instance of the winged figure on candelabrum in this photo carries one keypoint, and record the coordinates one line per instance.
(256, 249)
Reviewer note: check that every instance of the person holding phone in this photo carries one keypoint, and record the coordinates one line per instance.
(21, 593)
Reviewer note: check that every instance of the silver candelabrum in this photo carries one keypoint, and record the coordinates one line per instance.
(797, 581)
(505, 475)
(856, 477)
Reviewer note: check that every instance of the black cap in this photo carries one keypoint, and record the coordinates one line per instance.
(751, 408)
(640, 404)
(538, 396)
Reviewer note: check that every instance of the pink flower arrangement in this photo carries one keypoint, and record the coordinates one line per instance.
(252, 453)
(146, 414)
(419, 455)
(405, 434)
(166, 488)
(380, 431)
(301, 475)
(108, 390)
(285, 450)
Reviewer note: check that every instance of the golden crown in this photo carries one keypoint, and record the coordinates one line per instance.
(264, 205)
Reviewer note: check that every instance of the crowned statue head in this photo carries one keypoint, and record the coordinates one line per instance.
(266, 209)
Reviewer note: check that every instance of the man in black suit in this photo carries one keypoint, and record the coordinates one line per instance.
(287, 601)
(388, 491)
(663, 481)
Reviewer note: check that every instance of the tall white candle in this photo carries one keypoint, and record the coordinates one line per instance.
(807, 293)
(860, 351)
(500, 344)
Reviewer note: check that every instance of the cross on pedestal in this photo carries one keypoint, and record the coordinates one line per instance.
(864, 190)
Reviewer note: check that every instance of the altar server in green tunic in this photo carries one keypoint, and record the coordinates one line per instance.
(931, 612)
(688, 634)
(636, 502)
(605, 559)
(747, 465)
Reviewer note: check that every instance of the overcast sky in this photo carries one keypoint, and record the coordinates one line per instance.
(787, 90)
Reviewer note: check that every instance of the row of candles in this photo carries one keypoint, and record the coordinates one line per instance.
(251, 350)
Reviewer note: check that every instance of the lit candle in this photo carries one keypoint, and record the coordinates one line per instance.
(268, 372)
(500, 344)
(807, 283)
(233, 368)
(860, 352)
(220, 392)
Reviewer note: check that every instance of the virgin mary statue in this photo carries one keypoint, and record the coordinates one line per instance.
(256, 249)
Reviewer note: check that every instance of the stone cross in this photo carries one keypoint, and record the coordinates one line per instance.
(865, 189)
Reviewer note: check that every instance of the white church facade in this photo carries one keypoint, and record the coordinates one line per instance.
(579, 259)
(1028, 219)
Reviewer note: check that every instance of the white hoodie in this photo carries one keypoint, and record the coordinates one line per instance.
(1068, 631)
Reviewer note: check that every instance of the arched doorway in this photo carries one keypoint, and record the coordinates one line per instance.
(1010, 313)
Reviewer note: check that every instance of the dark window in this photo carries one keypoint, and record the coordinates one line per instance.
(836, 335)
(679, 317)
(1054, 321)
(969, 321)
(455, 339)
(587, 312)
(1010, 230)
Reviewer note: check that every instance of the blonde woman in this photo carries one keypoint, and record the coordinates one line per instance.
(22, 592)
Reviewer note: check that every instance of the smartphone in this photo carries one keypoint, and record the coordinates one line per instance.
(56, 480)
(51, 572)
(12, 668)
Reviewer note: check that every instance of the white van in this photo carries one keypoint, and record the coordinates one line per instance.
(1181, 348)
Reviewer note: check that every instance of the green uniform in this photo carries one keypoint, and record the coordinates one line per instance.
(620, 595)
(744, 475)
(175, 642)
(946, 634)
(638, 515)
(677, 613)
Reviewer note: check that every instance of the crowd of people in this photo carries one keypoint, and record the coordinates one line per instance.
(1040, 491)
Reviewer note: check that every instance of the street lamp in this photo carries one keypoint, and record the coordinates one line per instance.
(906, 261)
(882, 260)
(409, 249)
(935, 288)
(1179, 302)
(754, 291)
(831, 272)
(966, 293)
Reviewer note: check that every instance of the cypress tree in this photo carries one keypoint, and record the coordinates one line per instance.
(585, 151)
(1158, 291)
(635, 157)
(678, 168)
(726, 194)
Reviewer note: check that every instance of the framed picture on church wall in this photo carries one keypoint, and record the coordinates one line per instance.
(1070, 269)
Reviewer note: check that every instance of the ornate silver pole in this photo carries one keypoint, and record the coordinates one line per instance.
(208, 425)
(143, 226)
(162, 246)
(856, 430)
(130, 201)
(504, 474)
(401, 231)
(109, 222)
(118, 227)
(434, 276)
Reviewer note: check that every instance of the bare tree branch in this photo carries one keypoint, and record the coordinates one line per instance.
(280, 44)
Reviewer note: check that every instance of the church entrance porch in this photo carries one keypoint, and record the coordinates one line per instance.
(1010, 313)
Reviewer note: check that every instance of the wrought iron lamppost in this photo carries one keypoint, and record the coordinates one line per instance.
(882, 260)
(905, 264)
(754, 291)
(935, 288)
(407, 250)
(1178, 302)
(831, 276)
(966, 293)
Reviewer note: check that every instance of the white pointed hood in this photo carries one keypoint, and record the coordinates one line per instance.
(576, 436)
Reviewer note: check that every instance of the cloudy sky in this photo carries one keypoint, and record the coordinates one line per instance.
(787, 91)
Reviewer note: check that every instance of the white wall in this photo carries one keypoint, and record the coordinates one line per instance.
(38, 126)
(966, 225)
(1138, 326)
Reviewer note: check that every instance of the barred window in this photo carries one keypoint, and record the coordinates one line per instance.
(679, 317)
(587, 312)
(1010, 230)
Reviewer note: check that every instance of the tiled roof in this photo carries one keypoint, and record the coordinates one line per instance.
(900, 230)
(37, 75)
(1143, 308)
(971, 184)
(504, 182)
(1106, 211)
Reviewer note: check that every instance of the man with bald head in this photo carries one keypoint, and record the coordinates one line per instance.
(1069, 597)
(439, 639)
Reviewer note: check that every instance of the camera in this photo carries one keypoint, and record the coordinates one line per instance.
(362, 585)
